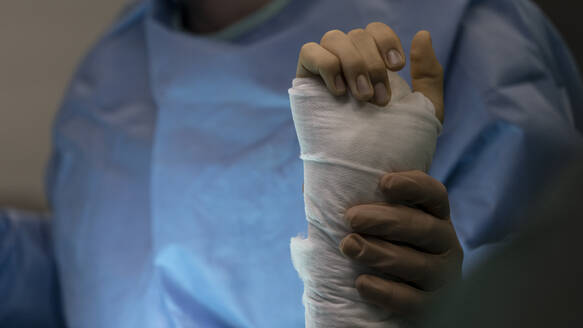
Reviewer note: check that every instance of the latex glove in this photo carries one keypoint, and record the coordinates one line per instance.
(411, 237)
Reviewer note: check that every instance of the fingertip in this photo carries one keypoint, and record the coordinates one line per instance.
(386, 181)
(367, 285)
(337, 93)
(335, 85)
(363, 89)
(352, 246)
(382, 94)
(423, 34)
(400, 188)
(420, 45)
(395, 60)
(350, 216)
(361, 283)
(387, 40)
(339, 85)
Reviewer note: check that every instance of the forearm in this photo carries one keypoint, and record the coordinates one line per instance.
(28, 278)
(346, 147)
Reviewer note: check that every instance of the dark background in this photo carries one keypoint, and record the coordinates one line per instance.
(567, 18)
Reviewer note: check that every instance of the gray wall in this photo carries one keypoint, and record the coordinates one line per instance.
(40, 44)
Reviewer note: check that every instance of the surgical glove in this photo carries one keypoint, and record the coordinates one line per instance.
(410, 237)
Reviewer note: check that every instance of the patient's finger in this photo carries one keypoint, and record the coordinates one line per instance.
(353, 65)
(314, 60)
(389, 45)
(377, 71)
(426, 72)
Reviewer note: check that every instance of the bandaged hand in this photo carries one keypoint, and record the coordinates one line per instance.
(396, 235)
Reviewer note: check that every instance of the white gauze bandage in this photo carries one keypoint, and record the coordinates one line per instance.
(346, 147)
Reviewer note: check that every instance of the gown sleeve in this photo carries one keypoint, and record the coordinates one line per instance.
(513, 121)
(28, 277)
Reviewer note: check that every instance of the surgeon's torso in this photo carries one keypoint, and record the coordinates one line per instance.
(176, 182)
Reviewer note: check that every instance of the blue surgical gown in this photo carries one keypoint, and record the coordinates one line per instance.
(175, 182)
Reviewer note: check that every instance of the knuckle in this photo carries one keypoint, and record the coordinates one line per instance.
(418, 174)
(361, 283)
(350, 217)
(355, 64)
(377, 70)
(385, 181)
(376, 67)
(382, 33)
(358, 32)
(385, 41)
(371, 288)
(376, 26)
(384, 255)
(408, 219)
(330, 64)
(441, 187)
(430, 228)
(306, 47)
(399, 222)
(352, 59)
(452, 259)
(428, 181)
(390, 260)
(442, 196)
(331, 36)
(425, 268)
(388, 219)
(426, 229)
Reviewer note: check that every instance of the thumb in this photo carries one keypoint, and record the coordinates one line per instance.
(426, 72)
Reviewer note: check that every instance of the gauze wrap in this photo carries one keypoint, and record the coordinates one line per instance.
(346, 147)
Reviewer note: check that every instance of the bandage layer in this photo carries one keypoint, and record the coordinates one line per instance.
(346, 147)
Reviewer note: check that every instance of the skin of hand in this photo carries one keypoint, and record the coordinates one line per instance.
(360, 59)
(410, 236)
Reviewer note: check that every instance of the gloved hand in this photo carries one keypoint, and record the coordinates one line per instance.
(410, 237)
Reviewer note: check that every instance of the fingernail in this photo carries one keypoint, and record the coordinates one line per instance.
(362, 84)
(365, 285)
(340, 86)
(380, 93)
(351, 246)
(389, 180)
(394, 58)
